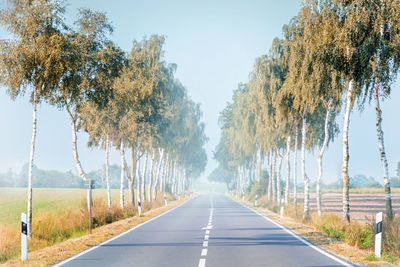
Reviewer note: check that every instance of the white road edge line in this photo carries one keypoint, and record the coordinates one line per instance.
(117, 236)
(298, 237)
(202, 263)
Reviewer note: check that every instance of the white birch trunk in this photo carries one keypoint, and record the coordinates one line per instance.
(139, 179)
(180, 184)
(345, 163)
(144, 177)
(176, 177)
(253, 168)
(170, 171)
(171, 177)
(31, 158)
(131, 177)
(151, 176)
(121, 191)
(270, 175)
(245, 179)
(259, 165)
(306, 180)
(238, 181)
(158, 172)
(321, 154)
(278, 177)
(287, 184)
(164, 172)
(108, 172)
(273, 176)
(296, 140)
(75, 150)
(173, 171)
(76, 157)
(381, 143)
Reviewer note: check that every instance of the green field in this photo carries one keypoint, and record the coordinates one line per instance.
(13, 201)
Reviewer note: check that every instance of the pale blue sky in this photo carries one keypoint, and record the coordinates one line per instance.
(214, 44)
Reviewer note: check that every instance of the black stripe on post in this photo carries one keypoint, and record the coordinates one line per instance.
(24, 228)
(379, 227)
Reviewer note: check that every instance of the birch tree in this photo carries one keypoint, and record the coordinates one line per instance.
(30, 62)
(100, 122)
(355, 44)
(385, 69)
(81, 69)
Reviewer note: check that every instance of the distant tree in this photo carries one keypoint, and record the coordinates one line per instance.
(359, 181)
(395, 182)
(398, 169)
(222, 176)
(373, 184)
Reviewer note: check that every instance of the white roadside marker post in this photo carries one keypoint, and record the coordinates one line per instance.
(90, 206)
(255, 202)
(378, 235)
(281, 207)
(139, 207)
(165, 200)
(24, 237)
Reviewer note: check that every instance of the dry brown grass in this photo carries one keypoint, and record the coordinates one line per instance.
(51, 228)
(51, 254)
(8, 247)
(391, 236)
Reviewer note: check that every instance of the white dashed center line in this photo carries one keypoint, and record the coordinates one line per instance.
(204, 252)
(202, 262)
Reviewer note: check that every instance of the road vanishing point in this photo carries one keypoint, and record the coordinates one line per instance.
(208, 230)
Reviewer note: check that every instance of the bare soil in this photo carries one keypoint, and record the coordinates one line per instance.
(363, 207)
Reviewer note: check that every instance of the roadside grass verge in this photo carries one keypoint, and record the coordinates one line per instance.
(55, 225)
(13, 201)
(355, 234)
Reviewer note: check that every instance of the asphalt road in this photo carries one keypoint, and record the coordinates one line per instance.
(209, 230)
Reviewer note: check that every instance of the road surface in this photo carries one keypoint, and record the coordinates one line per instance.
(209, 230)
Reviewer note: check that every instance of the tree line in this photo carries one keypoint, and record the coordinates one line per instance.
(62, 179)
(127, 100)
(334, 54)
